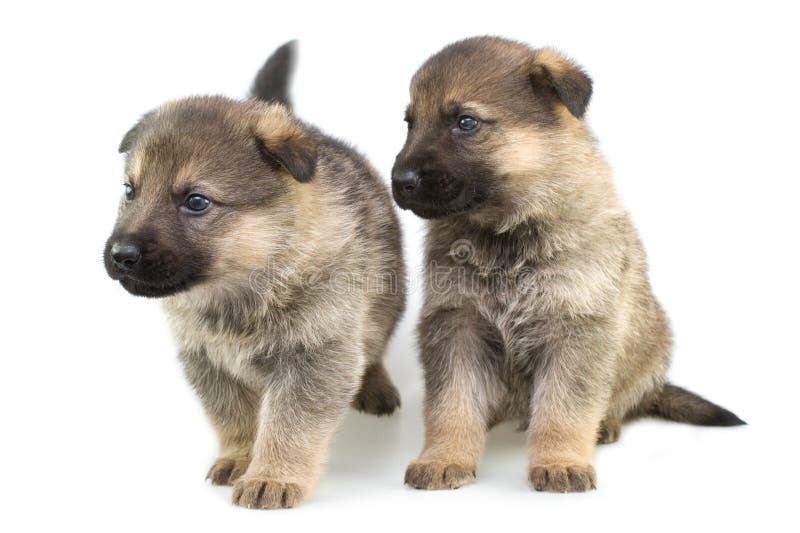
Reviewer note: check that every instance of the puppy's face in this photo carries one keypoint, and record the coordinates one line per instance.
(482, 112)
(207, 193)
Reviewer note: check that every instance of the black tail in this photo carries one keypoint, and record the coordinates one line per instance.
(272, 81)
(681, 405)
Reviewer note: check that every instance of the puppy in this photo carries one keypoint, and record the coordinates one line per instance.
(537, 306)
(277, 254)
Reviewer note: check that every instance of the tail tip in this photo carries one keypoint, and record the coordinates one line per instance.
(285, 54)
(273, 78)
(725, 418)
(290, 45)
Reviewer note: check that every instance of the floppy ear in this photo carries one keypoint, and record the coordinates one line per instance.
(571, 84)
(285, 140)
(130, 138)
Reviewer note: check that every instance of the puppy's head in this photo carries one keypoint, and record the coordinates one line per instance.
(208, 193)
(483, 112)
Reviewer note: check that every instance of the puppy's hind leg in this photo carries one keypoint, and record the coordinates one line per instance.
(609, 431)
(377, 395)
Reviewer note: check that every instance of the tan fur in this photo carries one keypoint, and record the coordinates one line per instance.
(284, 328)
(275, 125)
(554, 60)
(284, 455)
(545, 315)
(257, 238)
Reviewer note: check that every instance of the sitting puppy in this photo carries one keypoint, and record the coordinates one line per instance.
(537, 306)
(278, 256)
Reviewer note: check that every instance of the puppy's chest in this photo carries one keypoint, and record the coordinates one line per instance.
(502, 287)
(504, 293)
(512, 283)
(225, 348)
(231, 337)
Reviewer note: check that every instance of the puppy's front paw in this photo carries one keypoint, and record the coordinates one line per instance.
(434, 475)
(562, 478)
(256, 493)
(226, 470)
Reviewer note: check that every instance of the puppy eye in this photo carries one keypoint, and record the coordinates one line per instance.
(197, 203)
(128, 191)
(467, 123)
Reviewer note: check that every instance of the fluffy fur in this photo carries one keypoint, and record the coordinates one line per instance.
(282, 295)
(537, 306)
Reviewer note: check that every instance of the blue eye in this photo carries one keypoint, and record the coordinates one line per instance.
(467, 123)
(197, 203)
(128, 191)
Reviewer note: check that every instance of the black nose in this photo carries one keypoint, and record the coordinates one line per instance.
(125, 255)
(405, 180)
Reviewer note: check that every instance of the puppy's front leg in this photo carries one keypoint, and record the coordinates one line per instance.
(232, 408)
(571, 390)
(307, 393)
(458, 353)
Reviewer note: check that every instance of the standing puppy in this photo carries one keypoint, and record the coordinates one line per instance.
(277, 253)
(537, 304)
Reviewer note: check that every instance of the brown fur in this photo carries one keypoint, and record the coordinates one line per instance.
(282, 296)
(537, 306)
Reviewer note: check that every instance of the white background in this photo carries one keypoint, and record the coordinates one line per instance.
(695, 107)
